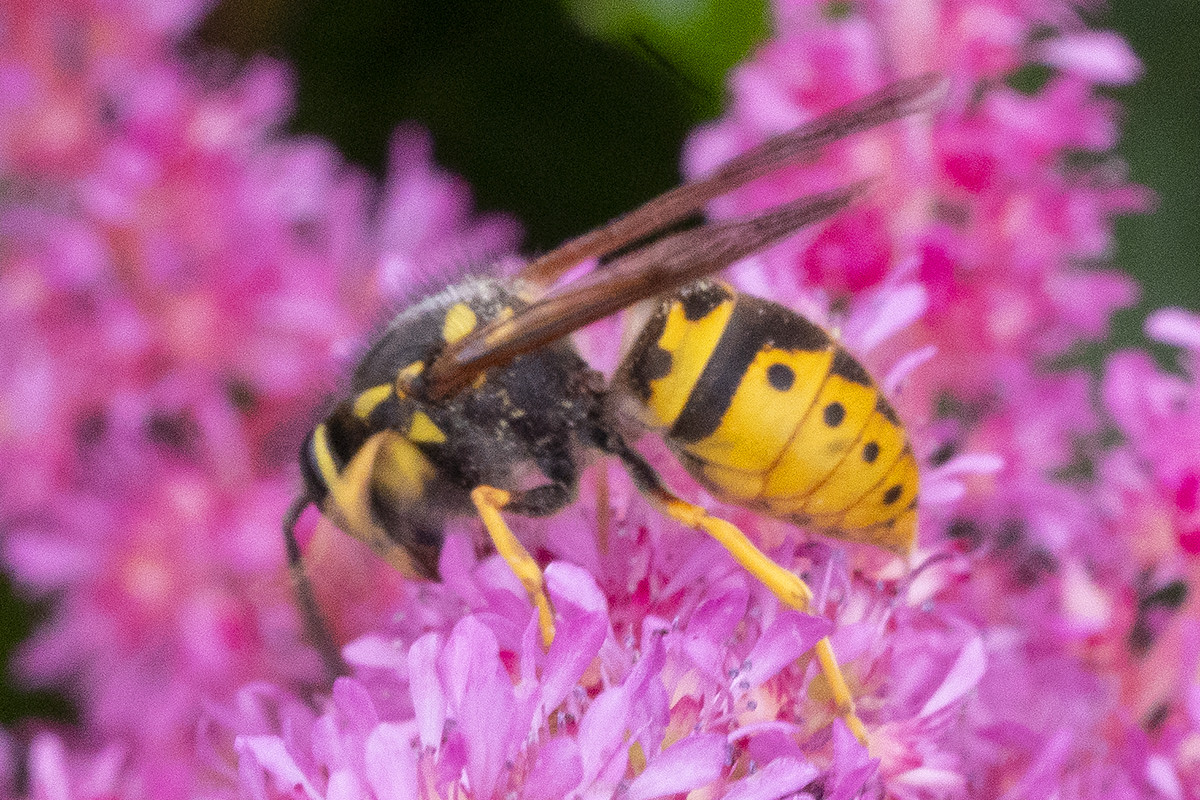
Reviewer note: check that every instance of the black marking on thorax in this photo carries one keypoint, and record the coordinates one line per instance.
(646, 360)
(754, 324)
(415, 334)
(344, 435)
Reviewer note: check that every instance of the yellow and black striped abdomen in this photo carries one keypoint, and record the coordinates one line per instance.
(768, 412)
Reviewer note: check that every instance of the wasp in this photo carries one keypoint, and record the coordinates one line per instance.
(474, 389)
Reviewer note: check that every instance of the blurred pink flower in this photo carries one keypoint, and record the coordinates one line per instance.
(51, 768)
(180, 285)
(183, 284)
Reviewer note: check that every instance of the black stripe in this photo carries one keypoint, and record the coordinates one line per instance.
(699, 299)
(845, 366)
(346, 433)
(885, 408)
(754, 324)
(645, 361)
(314, 482)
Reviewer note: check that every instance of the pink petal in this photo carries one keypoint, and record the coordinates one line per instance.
(1192, 703)
(269, 753)
(1176, 326)
(972, 464)
(1039, 779)
(787, 638)
(482, 702)
(47, 561)
(48, 768)
(780, 778)
(931, 782)
(391, 762)
(377, 652)
(852, 764)
(711, 625)
(557, 770)
(905, 367)
(1085, 604)
(759, 728)
(964, 675)
(344, 785)
(602, 730)
(688, 764)
(1101, 57)
(471, 650)
(583, 624)
(898, 308)
(429, 702)
(356, 708)
(1161, 774)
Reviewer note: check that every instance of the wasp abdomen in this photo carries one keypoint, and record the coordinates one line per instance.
(767, 411)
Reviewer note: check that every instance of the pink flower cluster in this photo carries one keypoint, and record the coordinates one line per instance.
(182, 286)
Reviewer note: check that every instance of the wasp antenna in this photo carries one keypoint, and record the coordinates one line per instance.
(315, 627)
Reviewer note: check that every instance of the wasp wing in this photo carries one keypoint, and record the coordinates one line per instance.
(657, 268)
(643, 266)
(889, 103)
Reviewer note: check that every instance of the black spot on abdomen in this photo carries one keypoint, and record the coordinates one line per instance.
(781, 377)
(652, 364)
(642, 364)
(834, 413)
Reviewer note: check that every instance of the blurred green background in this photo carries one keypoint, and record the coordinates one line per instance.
(566, 113)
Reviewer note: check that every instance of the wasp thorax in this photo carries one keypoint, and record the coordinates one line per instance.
(389, 466)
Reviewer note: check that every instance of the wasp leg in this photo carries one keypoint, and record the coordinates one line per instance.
(784, 584)
(541, 501)
(488, 501)
(315, 627)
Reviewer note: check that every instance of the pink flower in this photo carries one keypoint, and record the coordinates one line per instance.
(57, 767)
(1035, 629)
(480, 709)
(183, 283)
(180, 285)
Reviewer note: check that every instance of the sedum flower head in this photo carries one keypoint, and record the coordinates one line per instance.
(180, 286)
(184, 284)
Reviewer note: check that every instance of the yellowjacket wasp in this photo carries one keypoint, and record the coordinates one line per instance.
(474, 386)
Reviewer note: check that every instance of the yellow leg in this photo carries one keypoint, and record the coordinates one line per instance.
(488, 501)
(786, 585)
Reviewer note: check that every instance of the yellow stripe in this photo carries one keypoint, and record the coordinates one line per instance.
(424, 431)
(460, 320)
(404, 378)
(690, 344)
(324, 457)
(369, 400)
